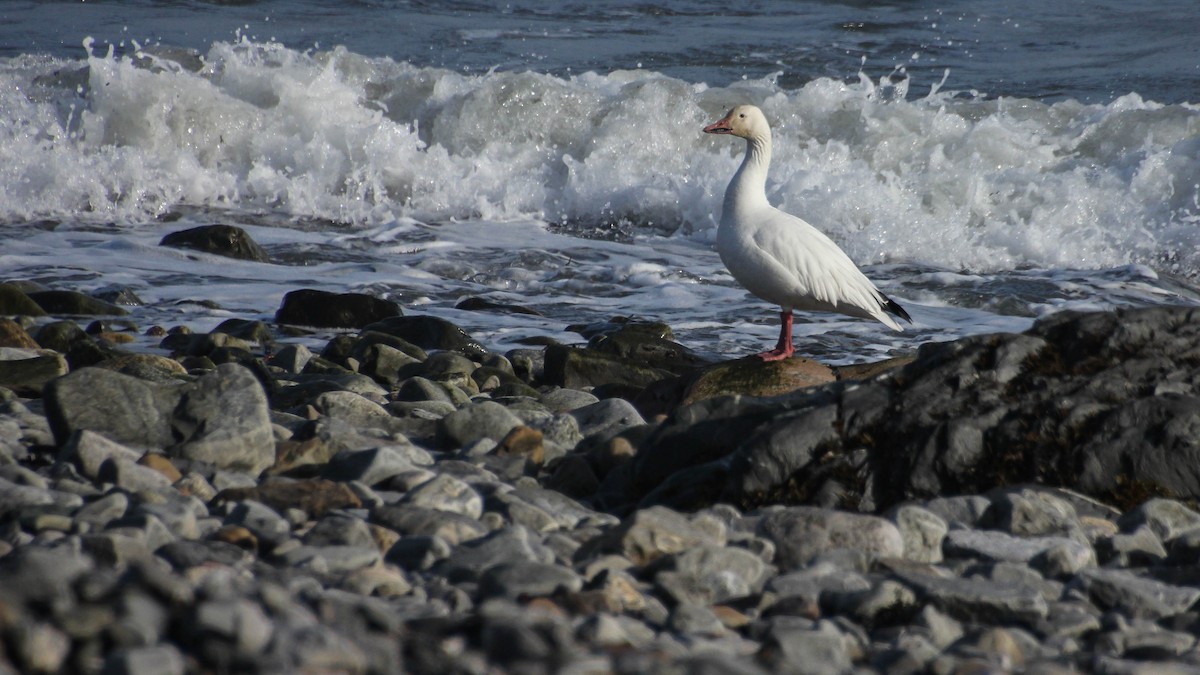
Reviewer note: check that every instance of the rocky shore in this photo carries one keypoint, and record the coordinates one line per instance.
(406, 500)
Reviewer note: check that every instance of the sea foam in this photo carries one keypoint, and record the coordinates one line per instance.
(945, 178)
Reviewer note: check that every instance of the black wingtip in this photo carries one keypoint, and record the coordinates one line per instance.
(890, 306)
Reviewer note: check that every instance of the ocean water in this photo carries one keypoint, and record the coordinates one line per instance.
(987, 163)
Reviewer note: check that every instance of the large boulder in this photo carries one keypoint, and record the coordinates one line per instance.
(1107, 404)
(222, 418)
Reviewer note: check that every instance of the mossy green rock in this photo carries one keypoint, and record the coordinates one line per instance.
(14, 301)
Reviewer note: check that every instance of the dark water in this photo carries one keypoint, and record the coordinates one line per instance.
(1087, 50)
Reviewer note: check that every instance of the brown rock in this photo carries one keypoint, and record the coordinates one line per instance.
(13, 335)
(754, 377)
(291, 454)
(525, 441)
(314, 496)
(162, 465)
(384, 538)
(26, 377)
(238, 536)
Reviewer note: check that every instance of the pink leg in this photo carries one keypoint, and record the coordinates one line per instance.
(784, 348)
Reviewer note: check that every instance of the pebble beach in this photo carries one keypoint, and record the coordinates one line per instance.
(406, 500)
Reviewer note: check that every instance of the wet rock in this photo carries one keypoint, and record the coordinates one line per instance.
(576, 368)
(311, 307)
(754, 377)
(74, 303)
(12, 335)
(14, 301)
(30, 374)
(477, 304)
(223, 240)
(122, 408)
(428, 332)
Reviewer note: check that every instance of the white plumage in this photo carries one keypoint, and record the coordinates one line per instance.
(779, 257)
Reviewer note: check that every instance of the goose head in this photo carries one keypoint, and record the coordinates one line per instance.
(745, 121)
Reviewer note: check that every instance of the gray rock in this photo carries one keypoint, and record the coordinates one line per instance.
(469, 561)
(291, 358)
(241, 624)
(922, 531)
(563, 400)
(266, 523)
(801, 533)
(965, 511)
(707, 574)
(385, 363)
(484, 419)
(694, 619)
(89, 450)
(607, 417)
(418, 552)
(1000, 547)
(526, 578)
(339, 529)
(164, 659)
(1134, 596)
(792, 649)
(356, 410)
(410, 519)
(223, 420)
(337, 559)
(649, 534)
(1138, 547)
(1165, 517)
(132, 476)
(977, 600)
(99, 512)
(121, 408)
(447, 493)
(1031, 512)
(373, 466)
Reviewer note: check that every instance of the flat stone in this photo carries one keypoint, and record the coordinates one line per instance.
(1001, 547)
(978, 600)
(1135, 596)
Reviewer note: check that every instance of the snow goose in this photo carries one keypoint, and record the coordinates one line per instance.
(779, 257)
